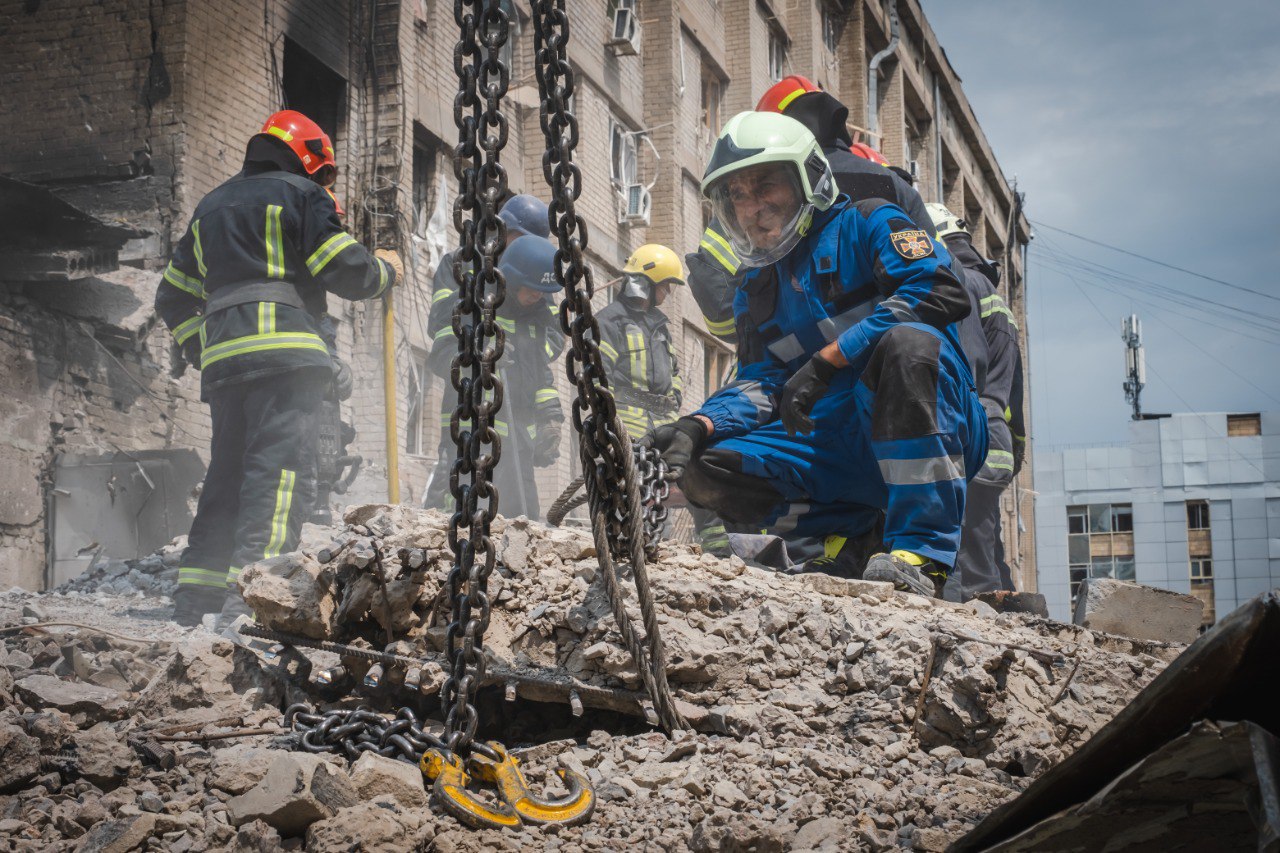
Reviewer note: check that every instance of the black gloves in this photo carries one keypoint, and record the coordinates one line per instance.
(804, 390)
(677, 442)
(546, 449)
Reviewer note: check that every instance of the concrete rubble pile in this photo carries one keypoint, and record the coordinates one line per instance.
(825, 713)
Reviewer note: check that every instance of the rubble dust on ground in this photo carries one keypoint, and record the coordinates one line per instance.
(826, 714)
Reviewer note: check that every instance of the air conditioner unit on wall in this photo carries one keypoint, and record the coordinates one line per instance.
(637, 204)
(626, 32)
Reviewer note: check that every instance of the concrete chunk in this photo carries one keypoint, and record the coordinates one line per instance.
(375, 774)
(1134, 610)
(298, 790)
(71, 697)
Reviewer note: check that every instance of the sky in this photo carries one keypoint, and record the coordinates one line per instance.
(1154, 127)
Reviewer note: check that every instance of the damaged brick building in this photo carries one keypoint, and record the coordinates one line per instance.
(130, 111)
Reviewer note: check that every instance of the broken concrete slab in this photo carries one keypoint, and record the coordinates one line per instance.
(19, 758)
(103, 758)
(298, 790)
(71, 697)
(238, 768)
(291, 593)
(118, 836)
(1134, 610)
(374, 774)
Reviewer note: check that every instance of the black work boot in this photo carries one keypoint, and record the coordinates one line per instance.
(192, 602)
(233, 608)
(907, 572)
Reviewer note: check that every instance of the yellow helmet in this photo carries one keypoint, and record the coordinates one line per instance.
(657, 263)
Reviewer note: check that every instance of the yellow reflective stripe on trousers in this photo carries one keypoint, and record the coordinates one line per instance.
(442, 293)
(635, 344)
(545, 394)
(184, 330)
(198, 249)
(261, 343)
(280, 519)
(275, 244)
(184, 282)
(189, 576)
(329, 250)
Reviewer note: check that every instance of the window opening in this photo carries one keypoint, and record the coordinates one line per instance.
(314, 89)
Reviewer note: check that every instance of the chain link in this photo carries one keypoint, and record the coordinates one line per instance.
(482, 133)
(619, 517)
(351, 732)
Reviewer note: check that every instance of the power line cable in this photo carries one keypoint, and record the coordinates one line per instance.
(1169, 385)
(1154, 305)
(1154, 261)
(1066, 263)
(1093, 268)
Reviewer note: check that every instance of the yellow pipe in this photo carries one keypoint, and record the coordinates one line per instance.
(389, 397)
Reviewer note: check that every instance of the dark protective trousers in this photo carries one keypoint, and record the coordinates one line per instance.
(905, 439)
(261, 479)
(980, 564)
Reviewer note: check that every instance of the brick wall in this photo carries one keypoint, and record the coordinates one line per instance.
(163, 126)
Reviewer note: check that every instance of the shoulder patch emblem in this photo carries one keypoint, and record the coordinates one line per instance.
(913, 244)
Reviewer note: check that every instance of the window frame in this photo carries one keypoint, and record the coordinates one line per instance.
(777, 54)
(1194, 509)
(623, 140)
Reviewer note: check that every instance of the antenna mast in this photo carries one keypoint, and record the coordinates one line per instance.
(1135, 363)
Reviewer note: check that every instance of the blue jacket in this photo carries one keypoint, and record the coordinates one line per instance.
(863, 268)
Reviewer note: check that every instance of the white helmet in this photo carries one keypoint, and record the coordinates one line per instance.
(750, 140)
(946, 222)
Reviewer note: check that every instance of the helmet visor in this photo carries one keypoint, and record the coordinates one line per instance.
(761, 208)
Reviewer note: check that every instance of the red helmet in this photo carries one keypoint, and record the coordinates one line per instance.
(781, 94)
(304, 138)
(866, 152)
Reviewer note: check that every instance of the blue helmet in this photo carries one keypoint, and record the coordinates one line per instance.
(525, 214)
(530, 262)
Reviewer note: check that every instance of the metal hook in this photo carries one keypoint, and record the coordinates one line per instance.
(450, 788)
(504, 773)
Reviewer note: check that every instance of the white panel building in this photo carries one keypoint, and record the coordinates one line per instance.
(1190, 504)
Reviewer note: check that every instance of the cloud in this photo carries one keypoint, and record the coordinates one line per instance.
(1152, 126)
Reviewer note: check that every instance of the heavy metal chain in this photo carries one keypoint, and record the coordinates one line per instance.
(612, 484)
(352, 732)
(482, 133)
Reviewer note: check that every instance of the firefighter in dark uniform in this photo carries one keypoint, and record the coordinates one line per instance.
(640, 359)
(635, 341)
(996, 359)
(530, 421)
(524, 215)
(244, 295)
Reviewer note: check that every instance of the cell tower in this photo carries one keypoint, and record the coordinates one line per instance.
(1135, 363)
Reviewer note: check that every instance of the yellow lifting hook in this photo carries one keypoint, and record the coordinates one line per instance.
(517, 804)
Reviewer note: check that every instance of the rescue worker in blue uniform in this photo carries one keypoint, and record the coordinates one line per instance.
(244, 295)
(860, 172)
(852, 394)
(530, 422)
(995, 356)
